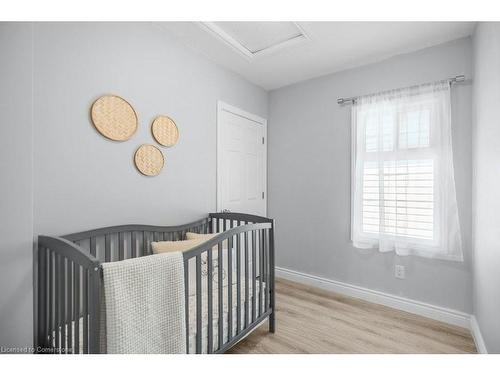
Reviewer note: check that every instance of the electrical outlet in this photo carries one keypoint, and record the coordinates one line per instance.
(399, 271)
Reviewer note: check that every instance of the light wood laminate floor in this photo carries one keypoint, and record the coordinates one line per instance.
(311, 320)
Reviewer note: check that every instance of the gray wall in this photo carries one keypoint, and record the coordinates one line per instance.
(309, 177)
(486, 156)
(83, 180)
(16, 172)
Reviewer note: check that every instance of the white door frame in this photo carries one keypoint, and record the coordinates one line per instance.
(222, 106)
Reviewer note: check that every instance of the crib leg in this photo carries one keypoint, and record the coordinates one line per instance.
(272, 323)
(272, 291)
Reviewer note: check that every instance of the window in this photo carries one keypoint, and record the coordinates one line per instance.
(403, 196)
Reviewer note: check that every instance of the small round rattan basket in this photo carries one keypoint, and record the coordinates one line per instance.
(149, 160)
(165, 131)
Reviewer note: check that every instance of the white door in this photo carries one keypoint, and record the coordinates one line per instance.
(241, 161)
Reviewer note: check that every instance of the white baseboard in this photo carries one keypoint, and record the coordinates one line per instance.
(478, 337)
(442, 314)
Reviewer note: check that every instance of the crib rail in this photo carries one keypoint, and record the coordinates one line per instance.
(200, 226)
(132, 241)
(69, 277)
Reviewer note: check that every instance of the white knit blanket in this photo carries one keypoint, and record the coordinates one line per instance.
(144, 301)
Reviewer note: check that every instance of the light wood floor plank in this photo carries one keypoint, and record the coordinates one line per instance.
(311, 320)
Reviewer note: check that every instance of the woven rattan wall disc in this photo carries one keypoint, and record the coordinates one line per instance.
(165, 131)
(114, 118)
(149, 160)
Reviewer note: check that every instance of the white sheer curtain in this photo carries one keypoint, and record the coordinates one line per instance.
(403, 196)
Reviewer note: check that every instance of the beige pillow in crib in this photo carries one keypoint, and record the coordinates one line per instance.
(196, 236)
(170, 246)
(192, 240)
(201, 236)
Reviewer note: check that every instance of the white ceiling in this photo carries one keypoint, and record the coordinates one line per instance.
(329, 46)
(255, 37)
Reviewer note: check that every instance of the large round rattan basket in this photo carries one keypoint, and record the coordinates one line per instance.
(114, 118)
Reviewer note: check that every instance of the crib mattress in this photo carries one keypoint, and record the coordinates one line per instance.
(204, 326)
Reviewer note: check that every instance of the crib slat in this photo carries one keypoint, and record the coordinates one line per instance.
(254, 272)
(66, 307)
(133, 248)
(149, 237)
(51, 325)
(220, 262)
(145, 243)
(85, 311)
(58, 300)
(238, 283)
(93, 246)
(76, 311)
(107, 248)
(94, 310)
(261, 264)
(247, 280)
(48, 275)
(198, 304)
(230, 287)
(186, 300)
(69, 304)
(65, 315)
(61, 302)
(121, 245)
(42, 298)
(210, 302)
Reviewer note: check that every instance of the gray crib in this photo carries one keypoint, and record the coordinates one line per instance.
(68, 284)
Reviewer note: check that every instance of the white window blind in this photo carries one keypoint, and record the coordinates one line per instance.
(403, 195)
